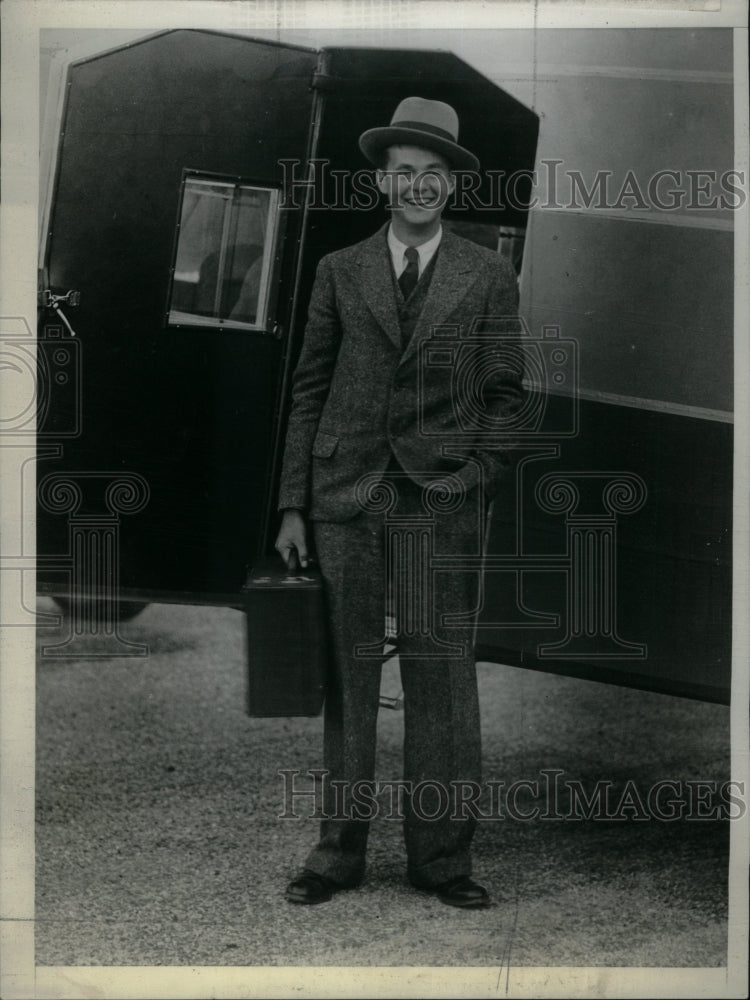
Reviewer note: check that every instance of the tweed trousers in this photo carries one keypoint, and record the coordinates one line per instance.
(361, 560)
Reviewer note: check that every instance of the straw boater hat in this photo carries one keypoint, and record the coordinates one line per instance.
(419, 122)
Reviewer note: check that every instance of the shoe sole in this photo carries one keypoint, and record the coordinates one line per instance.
(480, 904)
(303, 901)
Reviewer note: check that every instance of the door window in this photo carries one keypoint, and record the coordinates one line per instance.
(226, 246)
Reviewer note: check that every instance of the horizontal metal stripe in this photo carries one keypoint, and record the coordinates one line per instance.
(659, 679)
(654, 405)
(550, 72)
(653, 218)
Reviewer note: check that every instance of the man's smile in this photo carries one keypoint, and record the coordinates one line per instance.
(422, 202)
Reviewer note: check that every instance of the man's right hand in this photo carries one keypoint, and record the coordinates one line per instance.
(293, 537)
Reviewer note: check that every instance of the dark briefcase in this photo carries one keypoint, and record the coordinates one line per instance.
(286, 640)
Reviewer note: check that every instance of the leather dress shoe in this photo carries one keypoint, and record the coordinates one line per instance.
(463, 892)
(309, 887)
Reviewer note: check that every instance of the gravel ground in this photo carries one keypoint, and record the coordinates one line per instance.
(158, 841)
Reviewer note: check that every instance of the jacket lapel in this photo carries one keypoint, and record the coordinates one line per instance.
(374, 281)
(454, 274)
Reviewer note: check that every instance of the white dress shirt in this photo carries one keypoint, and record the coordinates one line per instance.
(426, 251)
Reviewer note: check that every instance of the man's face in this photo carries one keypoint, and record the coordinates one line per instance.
(417, 183)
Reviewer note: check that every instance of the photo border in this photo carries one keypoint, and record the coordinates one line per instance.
(21, 173)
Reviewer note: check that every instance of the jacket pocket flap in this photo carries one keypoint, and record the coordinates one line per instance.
(324, 445)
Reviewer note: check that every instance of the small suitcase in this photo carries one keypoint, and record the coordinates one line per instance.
(286, 640)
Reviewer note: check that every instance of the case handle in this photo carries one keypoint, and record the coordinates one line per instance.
(293, 565)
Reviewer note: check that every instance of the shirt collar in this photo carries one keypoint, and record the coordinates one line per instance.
(425, 250)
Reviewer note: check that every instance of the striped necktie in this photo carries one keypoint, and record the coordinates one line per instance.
(410, 275)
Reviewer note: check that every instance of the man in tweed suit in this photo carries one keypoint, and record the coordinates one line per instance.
(366, 452)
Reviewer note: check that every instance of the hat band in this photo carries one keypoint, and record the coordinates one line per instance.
(423, 127)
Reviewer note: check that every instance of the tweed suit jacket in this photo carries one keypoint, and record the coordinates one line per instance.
(360, 396)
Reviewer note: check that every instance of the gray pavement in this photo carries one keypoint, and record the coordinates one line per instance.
(158, 841)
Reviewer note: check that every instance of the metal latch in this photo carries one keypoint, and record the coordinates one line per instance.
(49, 300)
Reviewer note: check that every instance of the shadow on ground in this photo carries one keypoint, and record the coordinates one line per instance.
(159, 842)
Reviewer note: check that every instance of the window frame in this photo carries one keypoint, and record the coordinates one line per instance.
(266, 318)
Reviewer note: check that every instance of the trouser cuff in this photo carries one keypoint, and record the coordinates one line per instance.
(434, 873)
(348, 872)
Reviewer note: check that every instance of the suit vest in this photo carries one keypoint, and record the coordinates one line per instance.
(410, 309)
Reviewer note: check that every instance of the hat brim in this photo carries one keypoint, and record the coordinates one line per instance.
(375, 140)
